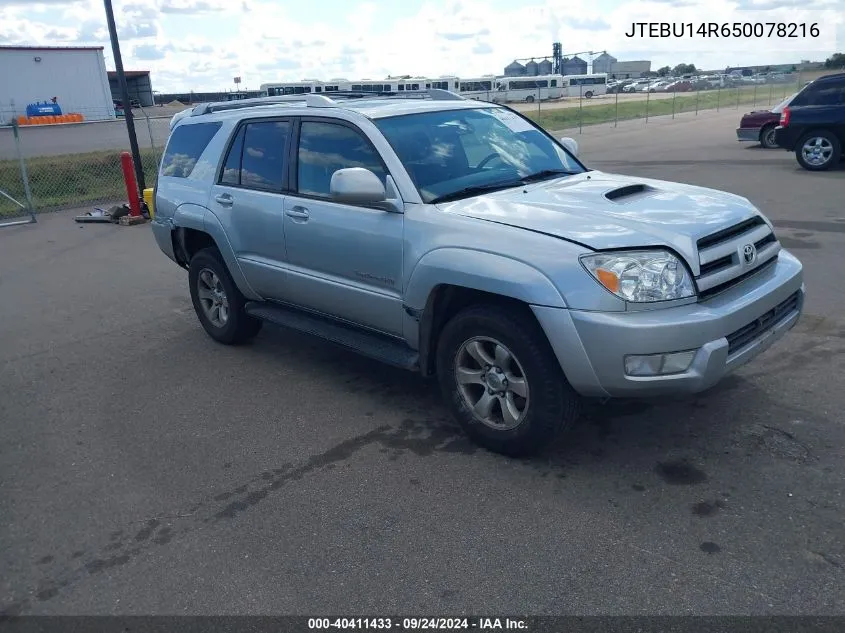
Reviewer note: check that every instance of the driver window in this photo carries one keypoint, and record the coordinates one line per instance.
(326, 147)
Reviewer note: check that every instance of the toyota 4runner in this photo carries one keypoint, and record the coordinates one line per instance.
(457, 239)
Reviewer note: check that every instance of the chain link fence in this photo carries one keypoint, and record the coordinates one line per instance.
(648, 103)
(77, 165)
(73, 165)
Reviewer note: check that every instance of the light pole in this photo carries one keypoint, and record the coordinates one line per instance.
(124, 96)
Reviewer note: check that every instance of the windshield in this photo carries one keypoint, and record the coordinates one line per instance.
(449, 153)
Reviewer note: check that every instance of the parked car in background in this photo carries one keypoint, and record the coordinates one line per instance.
(813, 124)
(682, 85)
(636, 85)
(758, 126)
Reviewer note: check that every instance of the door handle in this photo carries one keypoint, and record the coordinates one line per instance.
(224, 199)
(299, 213)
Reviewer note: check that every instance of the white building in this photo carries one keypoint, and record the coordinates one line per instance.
(75, 76)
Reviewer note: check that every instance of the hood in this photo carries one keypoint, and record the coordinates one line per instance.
(605, 211)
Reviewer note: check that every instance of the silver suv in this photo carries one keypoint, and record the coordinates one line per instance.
(455, 238)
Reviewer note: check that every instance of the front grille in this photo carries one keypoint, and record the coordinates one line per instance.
(747, 334)
(712, 292)
(729, 233)
(721, 260)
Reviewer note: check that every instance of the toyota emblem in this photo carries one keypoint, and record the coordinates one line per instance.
(749, 253)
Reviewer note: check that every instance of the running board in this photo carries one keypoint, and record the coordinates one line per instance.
(370, 344)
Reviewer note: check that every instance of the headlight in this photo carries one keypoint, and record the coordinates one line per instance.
(641, 276)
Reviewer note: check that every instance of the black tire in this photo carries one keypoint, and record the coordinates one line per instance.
(836, 150)
(529, 99)
(589, 94)
(767, 136)
(552, 405)
(239, 327)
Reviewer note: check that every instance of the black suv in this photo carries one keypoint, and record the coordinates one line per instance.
(813, 124)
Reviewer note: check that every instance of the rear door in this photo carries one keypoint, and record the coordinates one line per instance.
(248, 198)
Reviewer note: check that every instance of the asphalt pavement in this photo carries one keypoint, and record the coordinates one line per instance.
(145, 469)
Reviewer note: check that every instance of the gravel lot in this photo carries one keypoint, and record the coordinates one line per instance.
(145, 469)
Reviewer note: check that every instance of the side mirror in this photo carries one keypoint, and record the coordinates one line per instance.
(571, 144)
(356, 185)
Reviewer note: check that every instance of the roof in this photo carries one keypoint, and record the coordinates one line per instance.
(51, 48)
(129, 73)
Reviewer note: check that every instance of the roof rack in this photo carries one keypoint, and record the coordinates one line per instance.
(323, 100)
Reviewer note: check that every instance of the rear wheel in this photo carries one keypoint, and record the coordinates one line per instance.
(529, 99)
(502, 381)
(217, 301)
(818, 151)
(767, 136)
(589, 94)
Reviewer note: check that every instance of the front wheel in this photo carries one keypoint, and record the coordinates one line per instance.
(217, 301)
(502, 381)
(818, 151)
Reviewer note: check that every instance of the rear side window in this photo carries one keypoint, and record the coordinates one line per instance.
(825, 93)
(186, 145)
(256, 158)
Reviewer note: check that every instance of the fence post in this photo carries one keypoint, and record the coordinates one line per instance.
(616, 113)
(754, 104)
(24, 177)
(697, 93)
(674, 94)
(737, 97)
(580, 108)
(647, 99)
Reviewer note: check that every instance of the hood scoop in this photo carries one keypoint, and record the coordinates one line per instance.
(622, 194)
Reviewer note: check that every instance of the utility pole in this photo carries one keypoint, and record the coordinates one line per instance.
(124, 96)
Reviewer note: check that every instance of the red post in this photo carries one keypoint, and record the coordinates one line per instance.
(131, 184)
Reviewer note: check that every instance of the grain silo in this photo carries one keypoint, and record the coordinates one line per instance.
(514, 69)
(531, 69)
(545, 67)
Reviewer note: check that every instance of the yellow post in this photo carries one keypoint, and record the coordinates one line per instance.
(148, 198)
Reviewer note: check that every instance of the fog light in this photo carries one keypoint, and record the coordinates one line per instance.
(659, 364)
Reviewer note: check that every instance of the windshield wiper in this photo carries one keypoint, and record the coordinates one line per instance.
(466, 192)
(547, 173)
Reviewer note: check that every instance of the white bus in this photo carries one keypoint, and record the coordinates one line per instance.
(587, 86)
(528, 89)
(482, 88)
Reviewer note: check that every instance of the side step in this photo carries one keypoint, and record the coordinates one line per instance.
(375, 346)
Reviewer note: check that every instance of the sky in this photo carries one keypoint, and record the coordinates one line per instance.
(203, 44)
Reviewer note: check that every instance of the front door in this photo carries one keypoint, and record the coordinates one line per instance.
(247, 198)
(343, 260)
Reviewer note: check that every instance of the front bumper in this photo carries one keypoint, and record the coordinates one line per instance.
(751, 134)
(591, 346)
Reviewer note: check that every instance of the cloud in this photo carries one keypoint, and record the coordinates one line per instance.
(150, 52)
(136, 30)
(587, 24)
(192, 6)
(202, 44)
